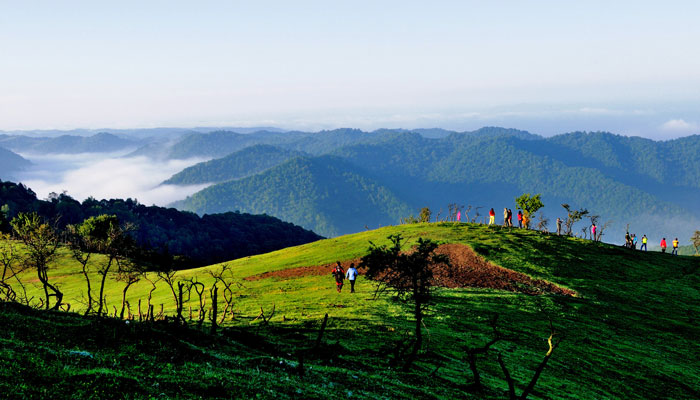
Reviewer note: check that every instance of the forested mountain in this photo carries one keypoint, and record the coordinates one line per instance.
(326, 194)
(11, 162)
(653, 186)
(165, 232)
(66, 144)
(246, 162)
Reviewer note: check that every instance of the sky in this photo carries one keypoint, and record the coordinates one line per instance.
(629, 67)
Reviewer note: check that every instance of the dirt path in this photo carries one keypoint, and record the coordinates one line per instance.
(468, 270)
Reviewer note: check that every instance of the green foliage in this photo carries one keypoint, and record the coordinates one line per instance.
(529, 203)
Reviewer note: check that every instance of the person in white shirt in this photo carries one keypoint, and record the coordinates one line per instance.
(352, 275)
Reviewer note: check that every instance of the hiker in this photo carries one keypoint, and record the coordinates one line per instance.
(593, 229)
(663, 245)
(520, 219)
(492, 217)
(352, 275)
(558, 226)
(505, 217)
(339, 275)
(510, 217)
(628, 240)
(644, 243)
(634, 241)
(675, 246)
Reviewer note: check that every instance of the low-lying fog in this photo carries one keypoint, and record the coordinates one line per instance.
(106, 176)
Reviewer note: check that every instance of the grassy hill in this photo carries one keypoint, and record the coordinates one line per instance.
(629, 332)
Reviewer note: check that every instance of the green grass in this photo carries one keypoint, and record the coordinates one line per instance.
(630, 333)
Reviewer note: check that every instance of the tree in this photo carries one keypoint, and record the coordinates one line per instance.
(529, 204)
(572, 216)
(41, 242)
(408, 275)
(424, 214)
(696, 242)
(103, 234)
(9, 257)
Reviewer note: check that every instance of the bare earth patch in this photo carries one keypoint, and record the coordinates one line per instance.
(468, 270)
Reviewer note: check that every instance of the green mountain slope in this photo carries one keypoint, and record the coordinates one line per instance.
(249, 161)
(629, 333)
(325, 194)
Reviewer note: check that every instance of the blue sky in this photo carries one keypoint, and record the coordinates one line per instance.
(631, 67)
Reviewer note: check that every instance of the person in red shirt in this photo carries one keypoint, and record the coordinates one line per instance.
(663, 245)
(339, 274)
(520, 219)
(492, 217)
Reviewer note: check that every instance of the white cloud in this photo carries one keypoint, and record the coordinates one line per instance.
(107, 177)
(679, 125)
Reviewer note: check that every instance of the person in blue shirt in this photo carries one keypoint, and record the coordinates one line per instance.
(352, 275)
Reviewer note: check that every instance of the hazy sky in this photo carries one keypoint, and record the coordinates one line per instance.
(631, 67)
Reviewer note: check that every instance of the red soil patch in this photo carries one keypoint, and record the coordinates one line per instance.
(468, 270)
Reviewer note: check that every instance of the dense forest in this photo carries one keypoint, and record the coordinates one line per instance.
(654, 186)
(167, 235)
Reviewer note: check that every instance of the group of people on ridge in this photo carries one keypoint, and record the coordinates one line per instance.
(674, 243)
(507, 217)
(339, 274)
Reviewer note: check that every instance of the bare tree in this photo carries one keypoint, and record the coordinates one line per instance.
(696, 242)
(41, 243)
(105, 235)
(572, 216)
(9, 257)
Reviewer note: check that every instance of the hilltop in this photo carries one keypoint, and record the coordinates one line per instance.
(627, 327)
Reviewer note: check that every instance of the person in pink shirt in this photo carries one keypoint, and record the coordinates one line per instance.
(663, 245)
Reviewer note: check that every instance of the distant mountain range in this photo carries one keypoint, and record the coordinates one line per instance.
(66, 144)
(653, 186)
(343, 180)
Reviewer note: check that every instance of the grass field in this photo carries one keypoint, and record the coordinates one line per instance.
(631, 331)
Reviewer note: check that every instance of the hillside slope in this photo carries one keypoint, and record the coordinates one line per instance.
(628, 333)
(325, 194)
(249, 161)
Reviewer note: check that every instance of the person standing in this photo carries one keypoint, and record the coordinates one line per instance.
(644, 243)
(558, 226)
(505, 217)
(593, 229)
(675, 246)
(520, 219)
(352, 275)
(510, 217)
(634, 241)
(339, 275)
(492, 217)
(663, 245)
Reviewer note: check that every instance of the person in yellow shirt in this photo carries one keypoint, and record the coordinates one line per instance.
(675, 246)
(644, 243)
